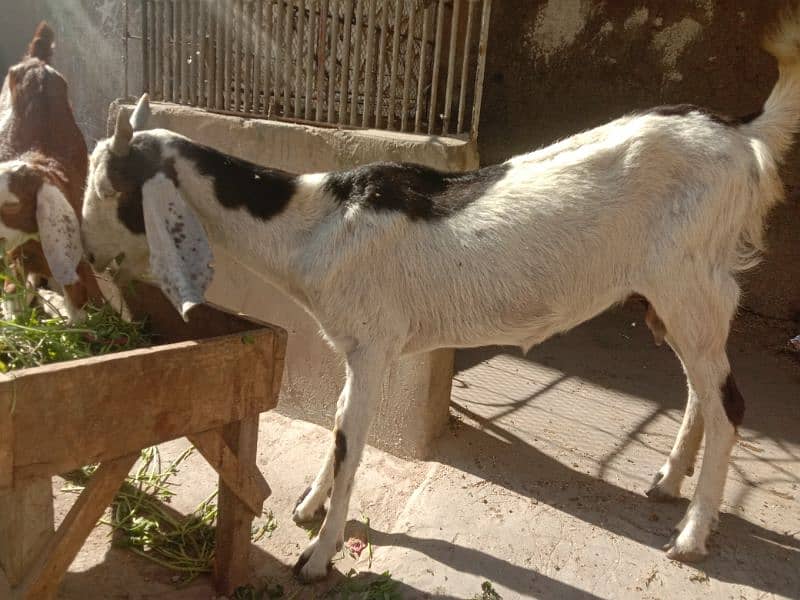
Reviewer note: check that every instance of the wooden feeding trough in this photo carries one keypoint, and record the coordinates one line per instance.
(208, 381)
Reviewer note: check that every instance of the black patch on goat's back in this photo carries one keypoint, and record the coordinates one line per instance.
(339, 450)
(128, 174)
(682, 110)
(418, 192)
(263, 192)
(732, 401)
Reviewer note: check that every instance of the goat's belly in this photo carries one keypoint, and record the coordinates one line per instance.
(523, 338)
(522, 327)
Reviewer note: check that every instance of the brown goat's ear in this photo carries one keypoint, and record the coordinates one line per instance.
(41, 45)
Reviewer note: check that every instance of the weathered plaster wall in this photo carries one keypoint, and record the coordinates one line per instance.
(556, 67)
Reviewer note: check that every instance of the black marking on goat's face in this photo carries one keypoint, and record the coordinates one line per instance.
(127, 175)
(732, 401)
(263, 192)
(682, 110)
(418, 192)
(339, 450)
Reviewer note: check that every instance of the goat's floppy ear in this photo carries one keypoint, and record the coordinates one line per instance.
(180, 255)
(141, 113)
(59, 234)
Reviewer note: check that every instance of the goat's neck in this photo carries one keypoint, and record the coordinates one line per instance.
(276, 248)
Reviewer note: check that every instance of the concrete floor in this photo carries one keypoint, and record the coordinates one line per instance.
(537, 487)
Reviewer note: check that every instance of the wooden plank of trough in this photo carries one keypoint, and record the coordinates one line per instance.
(6, 436)
(278, 360)
(242, 478)
(234, 518)
(42, 581)
(26, 525)
(145, 301)
(110, 406)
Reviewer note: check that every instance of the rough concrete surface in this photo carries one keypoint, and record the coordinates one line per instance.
(537, 487)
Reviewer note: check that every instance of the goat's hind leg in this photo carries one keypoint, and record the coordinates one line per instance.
(699, 331)
(666, 485)
(716, 394)
(667, 482)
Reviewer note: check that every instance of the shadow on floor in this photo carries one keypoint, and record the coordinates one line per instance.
(125, 576)
(767, 554)
(612, 353)
(492, 568)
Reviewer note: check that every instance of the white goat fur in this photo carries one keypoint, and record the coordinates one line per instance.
(669, 207)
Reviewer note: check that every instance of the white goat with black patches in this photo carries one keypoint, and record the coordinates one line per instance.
(397, 259)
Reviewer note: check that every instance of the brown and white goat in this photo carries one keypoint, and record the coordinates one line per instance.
(43, 164)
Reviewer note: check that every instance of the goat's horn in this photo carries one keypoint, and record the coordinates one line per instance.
(123, 132)
(141, 113)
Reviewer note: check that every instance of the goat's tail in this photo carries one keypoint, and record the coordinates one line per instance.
(780, 117)
(775, 127)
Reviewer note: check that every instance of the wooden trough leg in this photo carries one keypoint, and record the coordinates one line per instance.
(41, 582)
(235, 519)
(26, 524)
(241, 477)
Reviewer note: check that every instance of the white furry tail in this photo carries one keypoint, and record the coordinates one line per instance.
(780, 119)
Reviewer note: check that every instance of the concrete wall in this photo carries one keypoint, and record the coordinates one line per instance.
(560, 66)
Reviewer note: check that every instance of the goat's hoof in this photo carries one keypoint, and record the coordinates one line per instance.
(683, 551)
(306, 571)
(302, 517)
(671, 541)
(687, 556)
(657, 493)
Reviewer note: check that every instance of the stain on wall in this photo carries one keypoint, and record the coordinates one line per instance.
(557, 24)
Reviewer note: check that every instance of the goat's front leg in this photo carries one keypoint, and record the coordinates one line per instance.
(365, 371)
(311, 502)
